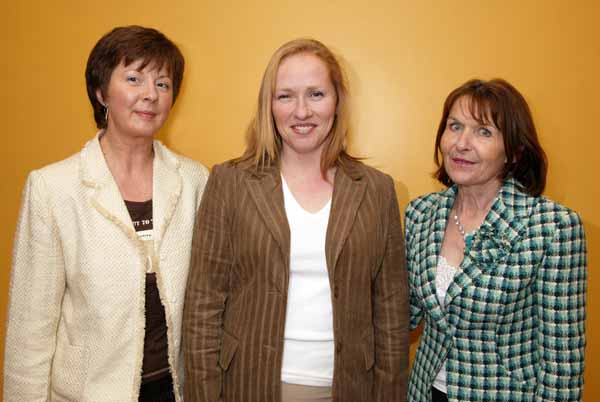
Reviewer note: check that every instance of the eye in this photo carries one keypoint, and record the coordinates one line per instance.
(163, 85)
(454, 126)
(283, 97)
(317, 94)
(485, 132)
(133, 79)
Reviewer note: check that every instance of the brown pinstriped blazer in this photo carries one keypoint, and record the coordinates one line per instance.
(235, 305)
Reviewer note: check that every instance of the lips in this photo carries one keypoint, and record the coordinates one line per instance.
(148, 115)
(304, 128)
(462, 162)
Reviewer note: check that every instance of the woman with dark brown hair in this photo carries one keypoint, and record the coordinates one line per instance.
(297, 288)
(103, 243)
(497, 271)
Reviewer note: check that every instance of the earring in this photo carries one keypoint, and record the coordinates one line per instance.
(106, 113)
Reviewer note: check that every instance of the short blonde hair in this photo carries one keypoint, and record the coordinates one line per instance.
(264, 142)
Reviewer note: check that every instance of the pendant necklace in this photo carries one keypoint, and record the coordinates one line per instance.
(460, 227)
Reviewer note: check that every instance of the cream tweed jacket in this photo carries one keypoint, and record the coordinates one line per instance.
(76, 318)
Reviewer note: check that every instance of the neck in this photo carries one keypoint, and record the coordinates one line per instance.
(303, 167)
(474, 201)
(126, 155)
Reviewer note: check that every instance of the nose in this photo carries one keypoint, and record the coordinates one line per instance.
(150, 92)
(463, 140)
(302, 110)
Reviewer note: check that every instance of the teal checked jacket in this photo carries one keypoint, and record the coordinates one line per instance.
(512, 326)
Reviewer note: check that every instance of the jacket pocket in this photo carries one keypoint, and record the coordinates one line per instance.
(69, 372)
(520, 367)
(369, 350)
(229, 346)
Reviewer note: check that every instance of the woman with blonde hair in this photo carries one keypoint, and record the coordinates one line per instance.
(298, 287)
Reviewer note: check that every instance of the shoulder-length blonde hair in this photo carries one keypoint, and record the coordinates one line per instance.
(264, 142)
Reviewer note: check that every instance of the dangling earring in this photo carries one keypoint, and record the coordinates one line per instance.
(106, 114)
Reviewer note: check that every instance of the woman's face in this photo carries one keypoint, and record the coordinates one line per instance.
(473, 153)
(304, 104)
(139, 100)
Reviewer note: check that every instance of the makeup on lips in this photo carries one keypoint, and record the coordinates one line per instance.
(462, 162)
(303, 128)
(146, 115)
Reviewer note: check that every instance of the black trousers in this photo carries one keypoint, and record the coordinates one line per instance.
(438, 396)
(160, 390)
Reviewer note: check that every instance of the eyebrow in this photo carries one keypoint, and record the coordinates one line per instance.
(483, 124)
(160, 77)
(310, 88)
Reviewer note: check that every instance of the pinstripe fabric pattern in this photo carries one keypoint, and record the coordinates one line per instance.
(234, 314)
(513, 324)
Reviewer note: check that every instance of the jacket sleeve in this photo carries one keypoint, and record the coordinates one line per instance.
(36, 290)
(561, 297)
(391, 314)
(206, 294)
(416, 308)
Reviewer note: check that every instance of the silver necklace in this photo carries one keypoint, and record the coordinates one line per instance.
(461, 228)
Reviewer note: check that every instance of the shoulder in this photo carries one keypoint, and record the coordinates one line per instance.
(374, 177)
(189, 168)
(421, 207)
(544, 211)
(192, 170)
(230, 168)
(59, 175)
(228, 178)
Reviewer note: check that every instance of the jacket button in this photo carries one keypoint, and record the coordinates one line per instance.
(335, 292)
(338, 348)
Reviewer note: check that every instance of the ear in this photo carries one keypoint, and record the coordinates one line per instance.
(100, 97)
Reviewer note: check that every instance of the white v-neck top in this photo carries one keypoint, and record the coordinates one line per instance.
(308, 341)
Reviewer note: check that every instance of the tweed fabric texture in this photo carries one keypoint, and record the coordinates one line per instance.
(75, 329)
(234, 314)
(513, 324)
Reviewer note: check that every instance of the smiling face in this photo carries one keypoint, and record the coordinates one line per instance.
(139, 100)
(473, 152)
(304, 105)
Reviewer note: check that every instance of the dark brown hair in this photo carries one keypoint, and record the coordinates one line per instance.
(126, 45)
(498, 102)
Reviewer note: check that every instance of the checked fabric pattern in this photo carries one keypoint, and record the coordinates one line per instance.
(512, 326)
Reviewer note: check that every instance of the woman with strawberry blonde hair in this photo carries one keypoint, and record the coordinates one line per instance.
(297, 289)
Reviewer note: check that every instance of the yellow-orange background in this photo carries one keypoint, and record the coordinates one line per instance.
(402, 58)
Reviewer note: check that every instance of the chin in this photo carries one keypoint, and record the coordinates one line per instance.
(475, 181)
(461, 180)
(150, 133)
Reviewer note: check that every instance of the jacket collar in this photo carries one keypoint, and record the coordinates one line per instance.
(107, 199)
(349, 187)
(486, 251)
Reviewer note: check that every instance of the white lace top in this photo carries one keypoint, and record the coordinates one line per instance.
(443, 278)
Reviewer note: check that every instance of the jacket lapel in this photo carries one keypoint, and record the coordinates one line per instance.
(166, 190)
(106, 197)
(266, 191)
(491, 244)
(348, 192)
(436, 230)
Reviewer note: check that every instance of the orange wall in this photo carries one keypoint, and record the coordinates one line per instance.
(403, 57)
